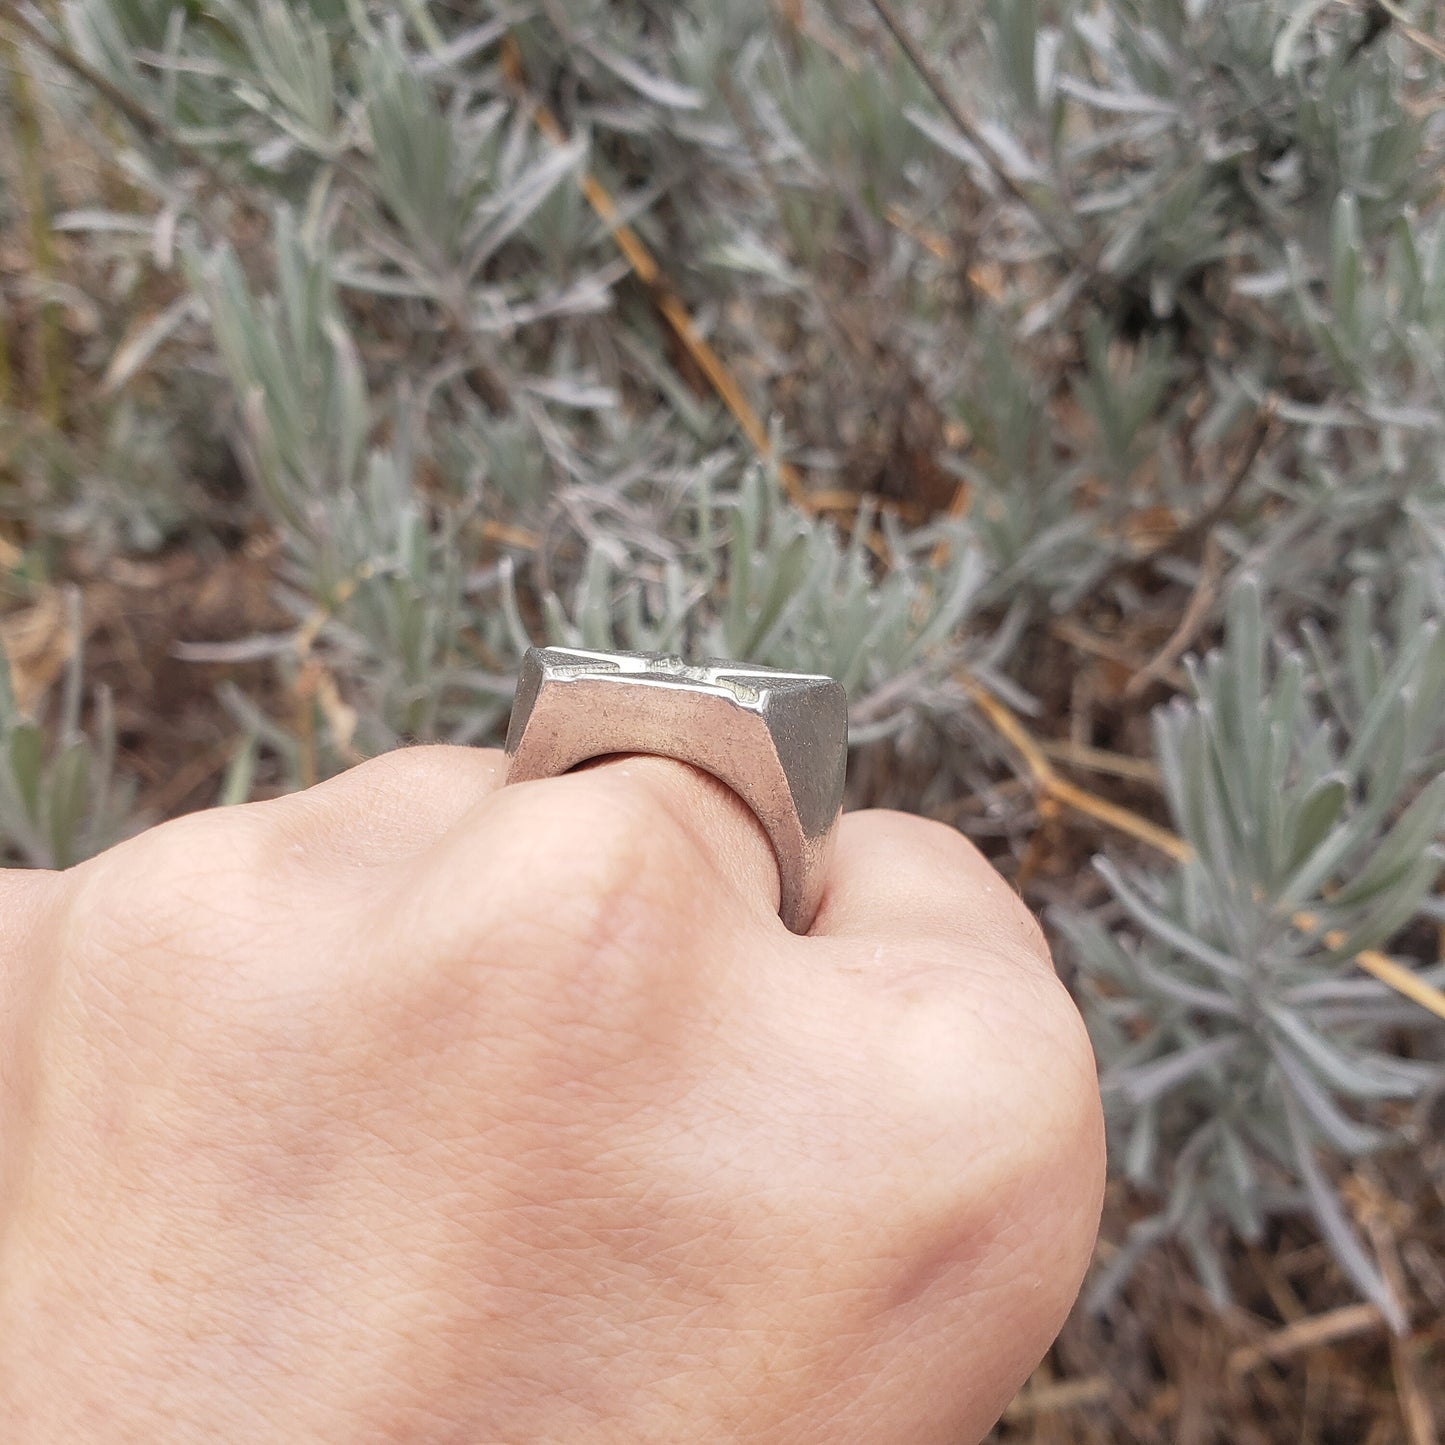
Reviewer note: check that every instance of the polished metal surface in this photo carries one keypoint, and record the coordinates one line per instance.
(779, 740)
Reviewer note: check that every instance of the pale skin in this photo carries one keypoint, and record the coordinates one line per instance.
(413, 1108)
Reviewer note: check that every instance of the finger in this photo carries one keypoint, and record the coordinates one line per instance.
(391, 807)
(896, 876)
(596, 903)
(727, 845)
(638, 845)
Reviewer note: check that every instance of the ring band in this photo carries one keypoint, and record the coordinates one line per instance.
(779, 740)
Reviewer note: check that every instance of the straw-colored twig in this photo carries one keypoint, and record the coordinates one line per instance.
(1411, 32)
(1100, 760)
(669, 305)
(967, 127)
(1329, 1328)
(1196, 613)
(1385, 969)
(510, 535)
(1374, 1208)
(1050, 1399)
(1048, 782)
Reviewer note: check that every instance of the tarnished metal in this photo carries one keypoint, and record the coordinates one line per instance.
(779, 740)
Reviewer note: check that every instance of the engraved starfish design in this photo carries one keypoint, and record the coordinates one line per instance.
(745, 681)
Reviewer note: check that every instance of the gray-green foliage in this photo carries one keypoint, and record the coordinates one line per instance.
(1237, 1043)
(61, 799)
(752, 578)
(1171, 238)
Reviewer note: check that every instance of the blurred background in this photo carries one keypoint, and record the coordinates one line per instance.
(1065, 376)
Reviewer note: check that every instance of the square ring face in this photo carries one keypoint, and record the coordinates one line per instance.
(805, 715)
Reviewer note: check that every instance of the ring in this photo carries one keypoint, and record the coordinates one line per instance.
(778, 739)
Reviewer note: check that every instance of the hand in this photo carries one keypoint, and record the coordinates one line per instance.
(412, 1109)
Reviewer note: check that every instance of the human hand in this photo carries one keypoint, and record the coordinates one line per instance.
(411, 1109)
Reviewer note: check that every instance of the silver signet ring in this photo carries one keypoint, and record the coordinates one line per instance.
(779, 740)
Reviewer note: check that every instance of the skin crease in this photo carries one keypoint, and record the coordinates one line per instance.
(408, 1109)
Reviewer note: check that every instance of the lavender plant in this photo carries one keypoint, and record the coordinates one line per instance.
(1238, 1038)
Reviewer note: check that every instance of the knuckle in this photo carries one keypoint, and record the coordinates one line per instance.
(944, 835)
(425, 766)
(605, 861)
(580, 910)
(610, 852)
(1022, 928)
(1011, 917)
(996, 914)
(996, 1065)
(207, 941)
(1057, 1081)
(180, 886)
(1007, 927)
(1050, 1161)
